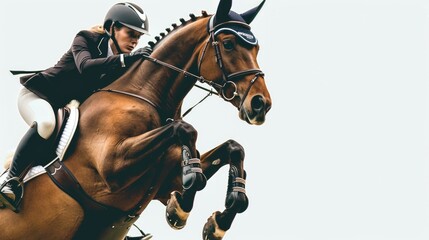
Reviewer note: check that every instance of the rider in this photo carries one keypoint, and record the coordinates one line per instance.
(96, 58)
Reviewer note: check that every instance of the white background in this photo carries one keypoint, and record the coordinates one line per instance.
(343, 153)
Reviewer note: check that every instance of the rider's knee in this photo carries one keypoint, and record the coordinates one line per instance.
(45, 128)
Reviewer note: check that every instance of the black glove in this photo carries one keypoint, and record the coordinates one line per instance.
(130, 58)
(143, 52)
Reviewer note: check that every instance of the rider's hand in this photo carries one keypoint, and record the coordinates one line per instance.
(130, 58)
(143, 52)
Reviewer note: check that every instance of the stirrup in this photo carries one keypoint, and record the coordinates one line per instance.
(6, 201)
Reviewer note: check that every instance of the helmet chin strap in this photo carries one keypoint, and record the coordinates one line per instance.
(112, 36)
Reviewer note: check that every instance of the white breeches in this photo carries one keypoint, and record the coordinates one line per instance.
(35, 109)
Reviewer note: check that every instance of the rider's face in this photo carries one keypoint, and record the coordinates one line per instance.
(127, 38)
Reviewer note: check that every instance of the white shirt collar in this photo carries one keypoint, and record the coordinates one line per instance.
(109, 50)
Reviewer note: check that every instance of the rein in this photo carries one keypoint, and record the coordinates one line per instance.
(226, 80)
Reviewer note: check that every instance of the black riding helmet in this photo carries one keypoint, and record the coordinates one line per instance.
(129, 15)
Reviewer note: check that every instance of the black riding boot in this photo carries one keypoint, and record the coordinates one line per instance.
(28, 152)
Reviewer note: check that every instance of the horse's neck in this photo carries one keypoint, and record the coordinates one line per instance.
(163, 86)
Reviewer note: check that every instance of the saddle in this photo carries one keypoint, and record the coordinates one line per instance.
(67, 122)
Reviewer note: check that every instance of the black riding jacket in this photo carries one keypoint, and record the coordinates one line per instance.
(84, 68)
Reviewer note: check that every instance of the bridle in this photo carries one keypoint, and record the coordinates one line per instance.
(227, 79)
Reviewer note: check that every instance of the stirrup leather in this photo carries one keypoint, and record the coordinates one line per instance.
(10, 203)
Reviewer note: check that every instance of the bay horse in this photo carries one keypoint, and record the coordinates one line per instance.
(132, 146)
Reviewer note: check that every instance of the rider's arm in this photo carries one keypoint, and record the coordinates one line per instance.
(85, 63)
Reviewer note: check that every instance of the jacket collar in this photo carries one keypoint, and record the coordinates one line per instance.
(102, 46)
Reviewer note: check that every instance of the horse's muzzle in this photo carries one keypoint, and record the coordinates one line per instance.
(254, 113)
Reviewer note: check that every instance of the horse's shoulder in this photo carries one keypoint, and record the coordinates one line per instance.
(110, 103)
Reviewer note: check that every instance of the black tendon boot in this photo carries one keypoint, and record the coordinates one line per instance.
(27, 153)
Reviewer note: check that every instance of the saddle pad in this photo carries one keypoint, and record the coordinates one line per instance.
(32, 173)
(68, 132)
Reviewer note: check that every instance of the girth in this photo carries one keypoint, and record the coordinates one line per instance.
(106, 217)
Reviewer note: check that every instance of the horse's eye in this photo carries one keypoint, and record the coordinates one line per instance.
(228, 44)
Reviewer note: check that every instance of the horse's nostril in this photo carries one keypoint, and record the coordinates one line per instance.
(258, 103)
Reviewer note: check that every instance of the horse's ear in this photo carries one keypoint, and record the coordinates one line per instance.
(223, 10)
(251, 14)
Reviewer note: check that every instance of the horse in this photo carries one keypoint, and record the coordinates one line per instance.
(132, 145)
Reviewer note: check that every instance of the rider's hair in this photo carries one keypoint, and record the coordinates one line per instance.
(97, 29)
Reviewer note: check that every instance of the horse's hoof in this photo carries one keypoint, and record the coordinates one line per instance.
(211, 230)
(175, 215)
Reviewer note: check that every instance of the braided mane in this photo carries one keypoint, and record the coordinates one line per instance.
(175, 27)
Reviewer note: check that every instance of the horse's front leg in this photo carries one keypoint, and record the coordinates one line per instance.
(179, 205)
(236, 200)
(193, 179)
